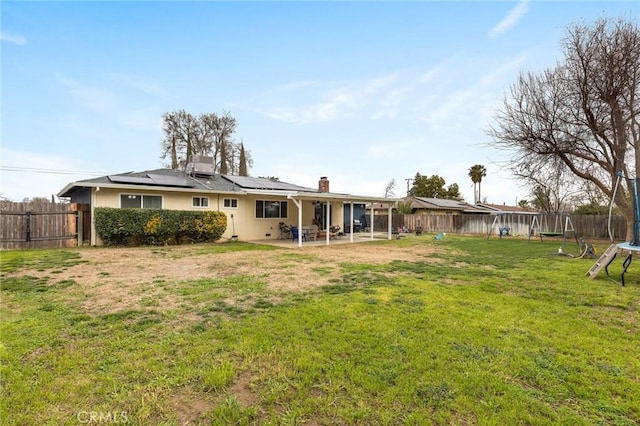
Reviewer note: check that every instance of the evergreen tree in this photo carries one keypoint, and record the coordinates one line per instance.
(243, 161)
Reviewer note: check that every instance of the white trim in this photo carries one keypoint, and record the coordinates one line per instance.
(142, 195)
(145, 187)
(271, 201)
(200, 198)
(230, 206)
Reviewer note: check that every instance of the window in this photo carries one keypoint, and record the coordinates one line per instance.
(200, 202)
(271, 209)
(230, 203)
(137, 201)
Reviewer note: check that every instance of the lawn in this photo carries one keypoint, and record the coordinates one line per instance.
(413, 331)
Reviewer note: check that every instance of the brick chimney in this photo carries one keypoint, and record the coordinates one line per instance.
(323, 184)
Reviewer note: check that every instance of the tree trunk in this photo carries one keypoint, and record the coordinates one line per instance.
(174, 154)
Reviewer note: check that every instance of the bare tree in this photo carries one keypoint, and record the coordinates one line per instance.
(181, 131)
(552, 186)
(390, 189)
(208, 134)
(581, 116)
(218, 138)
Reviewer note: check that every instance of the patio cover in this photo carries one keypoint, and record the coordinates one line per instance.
(298, 196)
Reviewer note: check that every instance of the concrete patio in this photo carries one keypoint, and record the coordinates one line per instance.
(359, 237)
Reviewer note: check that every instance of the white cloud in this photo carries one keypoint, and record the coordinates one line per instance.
(140, 85)
(398, 149)
(94, 98)
(333, 104)
(336, 102)
(12, 38)
(396, 94)
(510, 20)
(296, 85)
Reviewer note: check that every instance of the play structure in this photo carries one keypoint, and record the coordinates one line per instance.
(630, 247)
(562, 226)
(504, 223)
(543, 225)
(508, 224)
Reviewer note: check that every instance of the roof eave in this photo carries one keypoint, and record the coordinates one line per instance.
(73, 185)
(343, 197)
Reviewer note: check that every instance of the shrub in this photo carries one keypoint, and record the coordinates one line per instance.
(120, 227)
(156, 232)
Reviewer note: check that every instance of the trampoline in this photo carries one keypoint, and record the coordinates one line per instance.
(627, 261)
(630, 247)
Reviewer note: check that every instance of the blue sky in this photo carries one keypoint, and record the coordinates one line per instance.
(361, 92)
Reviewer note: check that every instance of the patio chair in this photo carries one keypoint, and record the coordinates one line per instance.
(312, 233)
(294, 234)
(285, 232)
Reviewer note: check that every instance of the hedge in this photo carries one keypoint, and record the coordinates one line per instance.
(132, 227)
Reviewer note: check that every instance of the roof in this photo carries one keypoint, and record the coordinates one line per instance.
(178, 180)
(503, 208)
(248, 182)
(161, 178)
(444, 204)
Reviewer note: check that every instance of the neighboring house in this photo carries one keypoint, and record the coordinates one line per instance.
(254, 206)
(424, 205)
(503, 208)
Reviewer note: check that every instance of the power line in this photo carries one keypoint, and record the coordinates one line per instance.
(409, 180)
(51, 171)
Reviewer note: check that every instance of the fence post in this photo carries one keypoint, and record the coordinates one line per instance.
(28, 227)
(80, 226)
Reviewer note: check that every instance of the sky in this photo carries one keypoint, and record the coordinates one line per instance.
(361, 92)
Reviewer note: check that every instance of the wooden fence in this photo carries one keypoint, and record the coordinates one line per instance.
(43, 225)
(588, 227)
(48, 225)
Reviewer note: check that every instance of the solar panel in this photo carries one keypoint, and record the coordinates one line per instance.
(165, 180)
(152, 180)
(260, 183)
(131, 179)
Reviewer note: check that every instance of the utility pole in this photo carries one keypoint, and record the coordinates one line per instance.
(409, 180)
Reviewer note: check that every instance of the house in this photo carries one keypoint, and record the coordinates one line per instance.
(503, 208)
(254, 206)
(442, 206)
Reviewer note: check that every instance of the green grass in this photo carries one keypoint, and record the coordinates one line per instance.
(479, 332)
(39, 260)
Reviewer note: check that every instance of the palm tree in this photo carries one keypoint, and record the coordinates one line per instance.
(476, 173)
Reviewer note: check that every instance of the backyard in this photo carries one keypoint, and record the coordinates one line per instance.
(462, 330)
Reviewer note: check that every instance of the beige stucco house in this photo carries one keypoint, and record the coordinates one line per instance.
(254, 207)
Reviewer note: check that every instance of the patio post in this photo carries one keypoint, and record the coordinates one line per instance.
(327, 221)
(372, 207)
(351, 220)
(298, 204)
(390, 225)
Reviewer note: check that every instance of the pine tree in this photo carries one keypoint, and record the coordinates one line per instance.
(243, 161)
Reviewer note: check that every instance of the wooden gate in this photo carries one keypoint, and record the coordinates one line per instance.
(43, 225)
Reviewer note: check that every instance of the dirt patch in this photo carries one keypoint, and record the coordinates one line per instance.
(243, 392)
(189, 408)
(113, 279)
